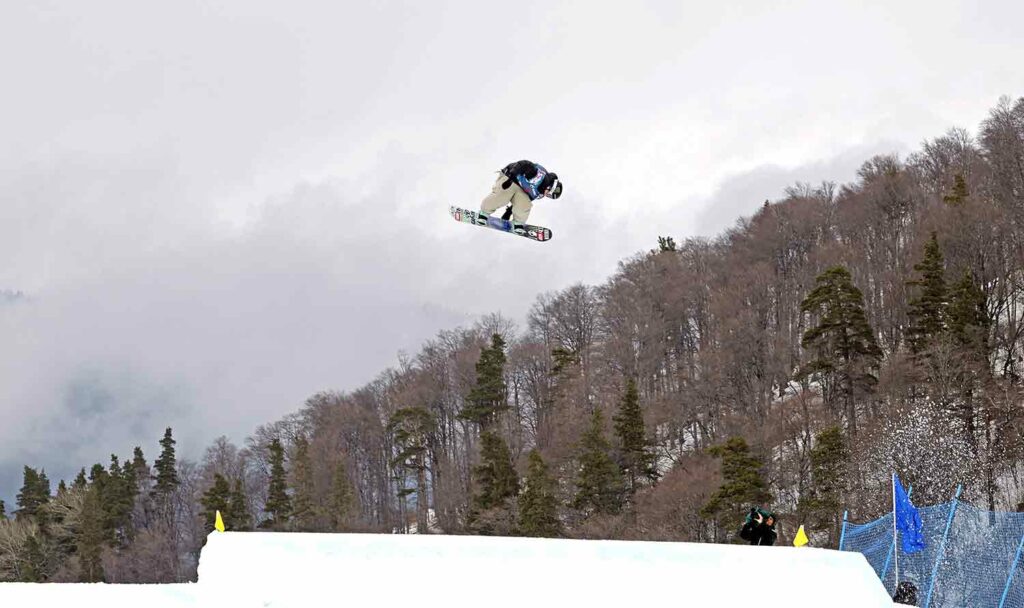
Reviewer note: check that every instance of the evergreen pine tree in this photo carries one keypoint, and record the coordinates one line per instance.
(495, 476)
(100, 482)
(98, 478)
(636, 459)
(98, 475)
(217, 498)
(278, 503)
(33, 497)
(33, 566)
(304, 512)
(238, 508)
(488, 396)
(27, 498)
(166, 467)
(967, 332)
(91, 537)
(139, 462)
(410, 429)
(742, 486)
(130, 474)
(141, 470)
(538, 504)
(959, 193)
(823, 500)
(3, 512)
(341, 497)
(113, 495)
(843, 349)
(61, 538)
(497, 484)
(43, 488)
(968, 321)
(561, 359)
(927, 312)
(80, 480)
(599, 485)
(118, 499)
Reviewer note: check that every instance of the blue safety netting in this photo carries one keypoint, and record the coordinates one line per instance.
(970, 568)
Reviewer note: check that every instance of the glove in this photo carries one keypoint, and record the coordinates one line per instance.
(508, 213)
(505, 185)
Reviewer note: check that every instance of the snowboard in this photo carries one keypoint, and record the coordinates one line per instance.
(468, 216)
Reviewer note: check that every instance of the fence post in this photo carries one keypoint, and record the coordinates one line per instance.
(1009, 577)
(892, 547)
(888, 560)
(942, 547)
(842, 534)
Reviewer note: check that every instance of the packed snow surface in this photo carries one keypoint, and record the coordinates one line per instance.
(269, 569)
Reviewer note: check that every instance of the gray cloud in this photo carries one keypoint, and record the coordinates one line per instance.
(214, 211)
(213, 332)
(743, 194)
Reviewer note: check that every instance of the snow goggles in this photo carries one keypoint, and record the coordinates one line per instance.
(555, 190)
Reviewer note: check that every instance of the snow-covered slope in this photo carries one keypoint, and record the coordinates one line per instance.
(277, 569)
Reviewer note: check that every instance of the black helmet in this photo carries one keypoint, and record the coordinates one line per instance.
(554, 188)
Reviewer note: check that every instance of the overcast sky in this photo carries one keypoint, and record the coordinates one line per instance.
(214, 210)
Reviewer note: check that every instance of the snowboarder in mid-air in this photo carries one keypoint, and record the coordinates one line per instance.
(519, 184)
(759, 527)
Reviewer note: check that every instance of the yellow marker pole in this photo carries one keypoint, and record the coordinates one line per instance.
(219, 524)
(801, 538)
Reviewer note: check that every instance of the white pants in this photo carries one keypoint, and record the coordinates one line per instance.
(499, 197)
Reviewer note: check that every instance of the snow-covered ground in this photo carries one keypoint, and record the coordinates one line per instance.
(276, 569)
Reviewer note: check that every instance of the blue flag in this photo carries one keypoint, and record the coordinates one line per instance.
(908, 520)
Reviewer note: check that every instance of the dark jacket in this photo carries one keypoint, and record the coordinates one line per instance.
(534, 179)
(906, 593)
(759, 533)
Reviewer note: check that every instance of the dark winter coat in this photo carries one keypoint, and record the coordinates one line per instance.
(759, 533)
(534, 179)
(906, 593)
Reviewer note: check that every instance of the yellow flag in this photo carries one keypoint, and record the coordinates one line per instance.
(801, 538)
(219, 524)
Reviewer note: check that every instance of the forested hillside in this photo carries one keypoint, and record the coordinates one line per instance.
(841, 333)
